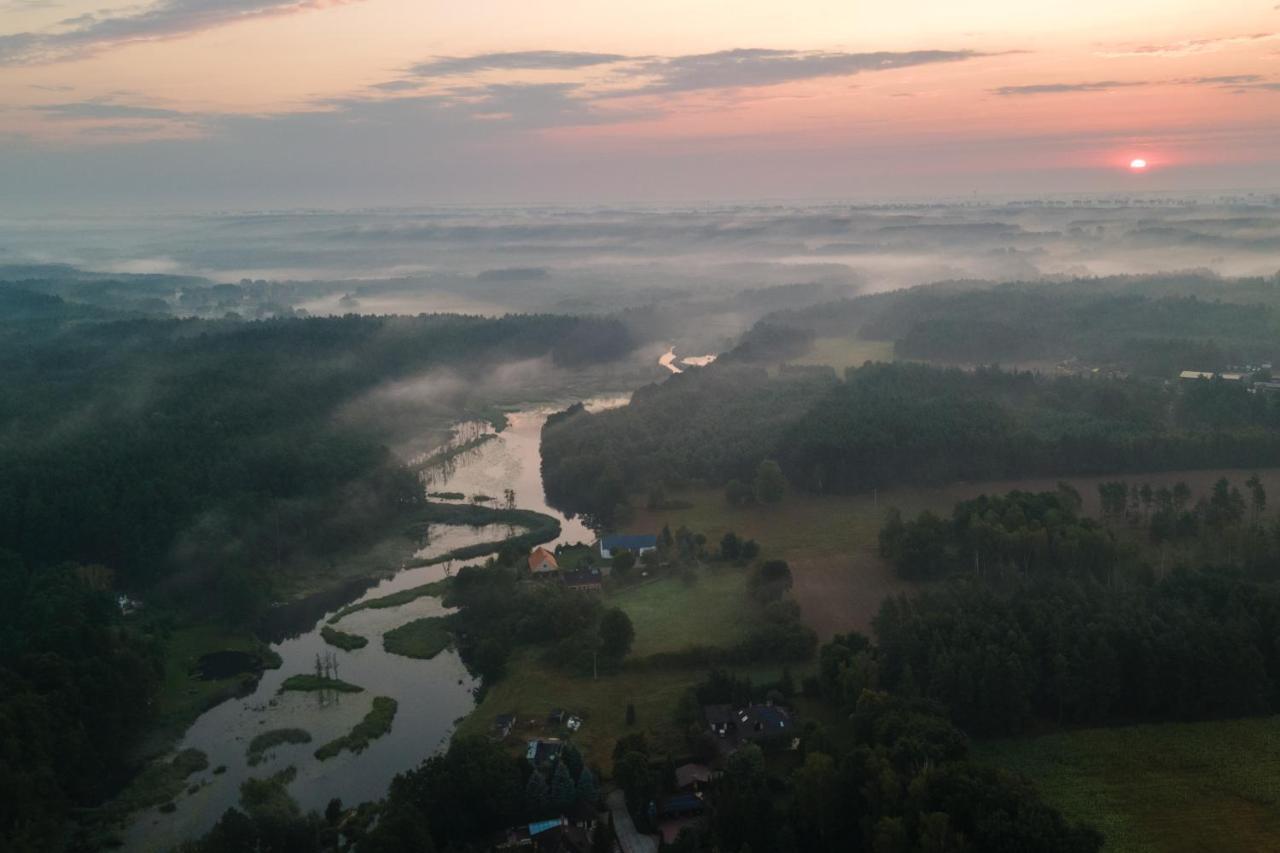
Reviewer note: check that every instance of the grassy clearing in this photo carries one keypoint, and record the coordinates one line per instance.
(274, 738)
(846, 352)
(395, 599)
(669, 614)
(832, 542)
(1174, 787)
(375, 724)
(422, 638)
(318, 682)
(531, 688)
(343, 640)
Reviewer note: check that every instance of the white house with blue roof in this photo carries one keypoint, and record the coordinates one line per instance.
(636, 543)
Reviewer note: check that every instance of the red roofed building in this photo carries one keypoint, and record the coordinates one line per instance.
(542, 562)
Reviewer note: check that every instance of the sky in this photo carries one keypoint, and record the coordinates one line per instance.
(286, 104)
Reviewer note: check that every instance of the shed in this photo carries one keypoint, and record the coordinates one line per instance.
(636, 543)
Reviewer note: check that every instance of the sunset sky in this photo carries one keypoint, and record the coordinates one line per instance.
(199, 104)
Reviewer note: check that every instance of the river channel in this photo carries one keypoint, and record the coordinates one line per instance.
(432, 694)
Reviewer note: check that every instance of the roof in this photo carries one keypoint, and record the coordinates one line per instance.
(541, 751)
(630, 541)
(682, 803)
(582, 577)
(541, 555)
(543, 825)
(688, 774)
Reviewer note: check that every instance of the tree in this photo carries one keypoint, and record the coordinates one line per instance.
(1257, 496)
(616, 633)
(623, 561)
(770, 484)
(536, 794)
(562, 793)
(587, 791)
(730, 546)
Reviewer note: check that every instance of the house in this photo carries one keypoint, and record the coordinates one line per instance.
(542, 562)
(541, 752)
(1205, 374)
(637, 544)
(585, 580)
(692, 777)
(502, 725)
(751, 723)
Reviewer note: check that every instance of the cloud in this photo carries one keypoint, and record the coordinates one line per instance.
(397, 86)
(748, 67)
(1061, 88)
(1188, 47)
(164, 19)
(527, 60)
(1224, 80)
(104, 110)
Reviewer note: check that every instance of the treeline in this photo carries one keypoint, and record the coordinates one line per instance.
(1020, 531)
(1000, 656)
(887, 424)
(75, 688)
(1150, 325)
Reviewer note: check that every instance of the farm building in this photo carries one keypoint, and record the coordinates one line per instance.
(637, 544)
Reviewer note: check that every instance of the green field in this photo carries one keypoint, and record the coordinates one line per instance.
(1172, 788)
(669, 614)
(846, 352)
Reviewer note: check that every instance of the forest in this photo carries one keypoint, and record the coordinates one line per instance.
(899, 423)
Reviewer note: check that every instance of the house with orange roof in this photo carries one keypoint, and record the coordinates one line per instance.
(542, 562)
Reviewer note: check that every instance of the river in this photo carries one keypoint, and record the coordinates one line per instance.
(432, 694)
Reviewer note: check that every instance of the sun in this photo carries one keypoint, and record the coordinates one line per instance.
(1137, 165)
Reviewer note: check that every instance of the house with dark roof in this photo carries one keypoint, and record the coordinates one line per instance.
(638, 543)
(751, 723)
(541, 751)
(586, 580)
(503, 724)
(542, 562)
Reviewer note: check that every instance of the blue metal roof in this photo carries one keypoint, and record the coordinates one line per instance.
(631, 542)
(543, 826)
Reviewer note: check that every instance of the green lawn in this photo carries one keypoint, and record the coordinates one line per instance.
(1174, 787)
(669, 614)
(530, 689)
